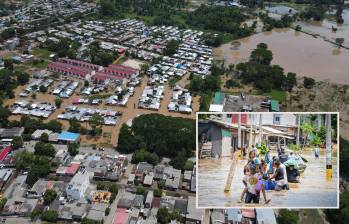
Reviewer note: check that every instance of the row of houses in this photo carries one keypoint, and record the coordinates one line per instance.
(89, 71)
(151, 97)
(181, 100)
(36, 109)
(84, 114)
(147, 174)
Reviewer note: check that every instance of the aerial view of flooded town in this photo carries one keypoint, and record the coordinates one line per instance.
(99, 100)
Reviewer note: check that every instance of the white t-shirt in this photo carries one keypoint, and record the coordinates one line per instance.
(284, 170)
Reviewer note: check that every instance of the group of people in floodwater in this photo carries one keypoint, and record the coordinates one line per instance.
(262, 173)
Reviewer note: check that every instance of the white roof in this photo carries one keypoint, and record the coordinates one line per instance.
(216, 108)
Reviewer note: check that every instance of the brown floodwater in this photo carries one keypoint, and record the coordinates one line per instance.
(295, 52)
(314, 191)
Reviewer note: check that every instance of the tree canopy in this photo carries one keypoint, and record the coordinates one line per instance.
(163, 135)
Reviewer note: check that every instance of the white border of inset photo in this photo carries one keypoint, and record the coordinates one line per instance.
(266, 206)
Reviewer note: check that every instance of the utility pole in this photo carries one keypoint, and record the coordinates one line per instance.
(328, 147)
(298, 128)
(251, 142)
(319, 122)
(260, 129)
(239, 133)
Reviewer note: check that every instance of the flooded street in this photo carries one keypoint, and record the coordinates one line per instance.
(295, 52)
(313, 191)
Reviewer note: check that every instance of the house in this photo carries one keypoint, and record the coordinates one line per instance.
(172, 178)
(131, 178)
(181, 205)
(5, 175)
(78, 185)
(42, 185)
(68, 137)
(37, 133)
(10, 133)
(149, 199)
(143, 168)
(218, 102)
(194, 215)
(97, 212)
(148, 179)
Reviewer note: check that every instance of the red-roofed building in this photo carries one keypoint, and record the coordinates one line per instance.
(156, 202)
(4, 153)
(81, 69)
(72, 169)
(80, 63)
(121, 216)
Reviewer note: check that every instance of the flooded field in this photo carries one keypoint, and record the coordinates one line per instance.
(314, 190)
(295, 52)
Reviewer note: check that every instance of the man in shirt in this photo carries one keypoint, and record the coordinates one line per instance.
(280, 176)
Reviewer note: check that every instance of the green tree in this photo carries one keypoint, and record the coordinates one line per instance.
(54, 126)
(44, 149)
(308, 82)
(23, 160)
(107, 8)
(74, 125)
(39, 168)
(127, 142)
(96, 121)
(73, 148)
(107, 211)
(307, 129)
(44, 137)
(35, 214)
(189, 165)
(22, 78)
(287, 216)
(141, 190)
(49, 196)
(158, 192)
(179, 161)
(49, 216)
(261, 55)
(3, 201)
(161, 184)
(171, 47)
(17, 142)
(163, 216)
(4, 114)
(43, 89)
(58, 102)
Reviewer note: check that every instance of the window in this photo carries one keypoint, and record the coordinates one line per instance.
(277, 119)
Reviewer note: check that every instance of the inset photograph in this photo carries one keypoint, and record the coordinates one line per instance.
(275, 160)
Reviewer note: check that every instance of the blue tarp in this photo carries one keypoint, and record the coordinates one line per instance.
(68, 136)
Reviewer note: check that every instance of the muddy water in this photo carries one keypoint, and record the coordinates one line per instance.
(314, 190)
(112, 132)
(295, 52)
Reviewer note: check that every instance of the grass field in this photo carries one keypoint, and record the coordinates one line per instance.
(279, 95)
(41, 53)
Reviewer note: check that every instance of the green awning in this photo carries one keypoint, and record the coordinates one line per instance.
(275, 105)
(225, 133)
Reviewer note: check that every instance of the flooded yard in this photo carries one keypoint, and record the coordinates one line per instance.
(295, 52)
(313, 191)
